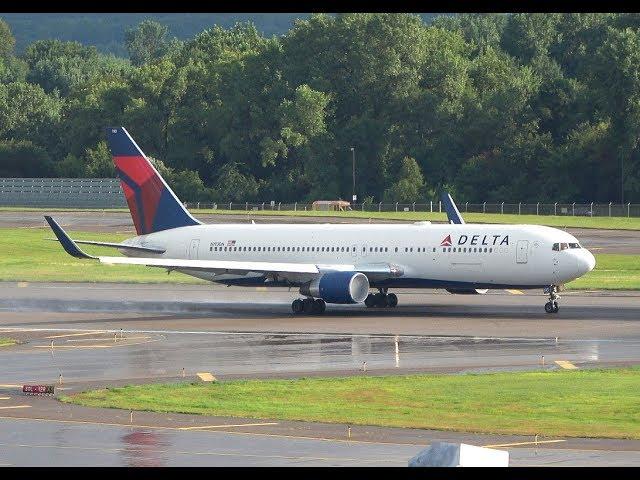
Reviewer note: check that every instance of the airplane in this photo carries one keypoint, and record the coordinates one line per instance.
(332, 263)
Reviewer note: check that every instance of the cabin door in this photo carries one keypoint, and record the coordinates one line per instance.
(193, 249)
(521, 251)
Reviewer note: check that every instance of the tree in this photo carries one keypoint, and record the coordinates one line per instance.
(409, 184)
(7, 42)
(480, 29)
(28, 113)
(233, 185)
(22, 158)
(615, 73)
(146, 42)
(63, 66)
(527, 35)
(99, 163)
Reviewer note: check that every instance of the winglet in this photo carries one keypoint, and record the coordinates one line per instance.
(452, 211)
(69, 245)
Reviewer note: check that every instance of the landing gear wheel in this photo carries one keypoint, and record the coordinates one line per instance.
(319, 306)
(392, 300)
(370, 301)
(552, 305)
(297, 306)
(381, 300)
(307, 305)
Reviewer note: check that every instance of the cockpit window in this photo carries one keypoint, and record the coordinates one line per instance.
(574, 245)
(564, 246)
(556, 247)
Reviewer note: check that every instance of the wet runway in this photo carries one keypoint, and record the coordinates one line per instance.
(92, 335)
(109, 332)
(599, 241)
(26, 442)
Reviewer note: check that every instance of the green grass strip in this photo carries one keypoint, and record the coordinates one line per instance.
(5, 342)
(580, 403)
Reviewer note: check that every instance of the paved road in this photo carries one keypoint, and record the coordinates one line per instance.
(599, 241)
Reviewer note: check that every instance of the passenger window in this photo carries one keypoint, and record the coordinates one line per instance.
(434, 249)
(386, 249)
(454, 249)
(396, 249)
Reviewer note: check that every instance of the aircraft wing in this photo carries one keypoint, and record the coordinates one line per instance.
(224, 266)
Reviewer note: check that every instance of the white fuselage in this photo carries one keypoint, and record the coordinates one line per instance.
(427, 255)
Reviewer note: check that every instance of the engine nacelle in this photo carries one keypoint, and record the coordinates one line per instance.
(338, 287)
(468, 291)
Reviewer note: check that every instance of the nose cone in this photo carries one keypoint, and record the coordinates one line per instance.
(589, 261)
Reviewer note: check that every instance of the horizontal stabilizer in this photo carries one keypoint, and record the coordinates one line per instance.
(69, 245)
(135, 248)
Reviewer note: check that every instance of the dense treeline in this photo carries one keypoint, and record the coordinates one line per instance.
(523, 107)
(105, 30)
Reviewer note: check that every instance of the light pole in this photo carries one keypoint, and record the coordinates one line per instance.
(622, 179)
(353, 188)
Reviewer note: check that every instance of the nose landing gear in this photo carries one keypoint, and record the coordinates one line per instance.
(552, 305)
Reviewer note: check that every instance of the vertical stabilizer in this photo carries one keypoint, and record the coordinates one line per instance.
(152, 204)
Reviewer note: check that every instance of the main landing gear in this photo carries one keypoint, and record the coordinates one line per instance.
(552, 305)
(308, 306)
(382, 299)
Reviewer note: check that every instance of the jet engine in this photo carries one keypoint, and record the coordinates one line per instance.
(338, 287)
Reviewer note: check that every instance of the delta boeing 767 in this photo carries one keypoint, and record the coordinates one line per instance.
(332, 263)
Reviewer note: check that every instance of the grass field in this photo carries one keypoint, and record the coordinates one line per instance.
(28, 256)
(618, 223)
(612, 272)
(5, 342)
(582, 403)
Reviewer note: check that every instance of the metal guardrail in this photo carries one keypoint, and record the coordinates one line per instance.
(61, 192)
(107, 193)
(560, 209)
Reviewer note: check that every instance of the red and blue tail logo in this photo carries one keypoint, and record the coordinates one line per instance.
(153, 205)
